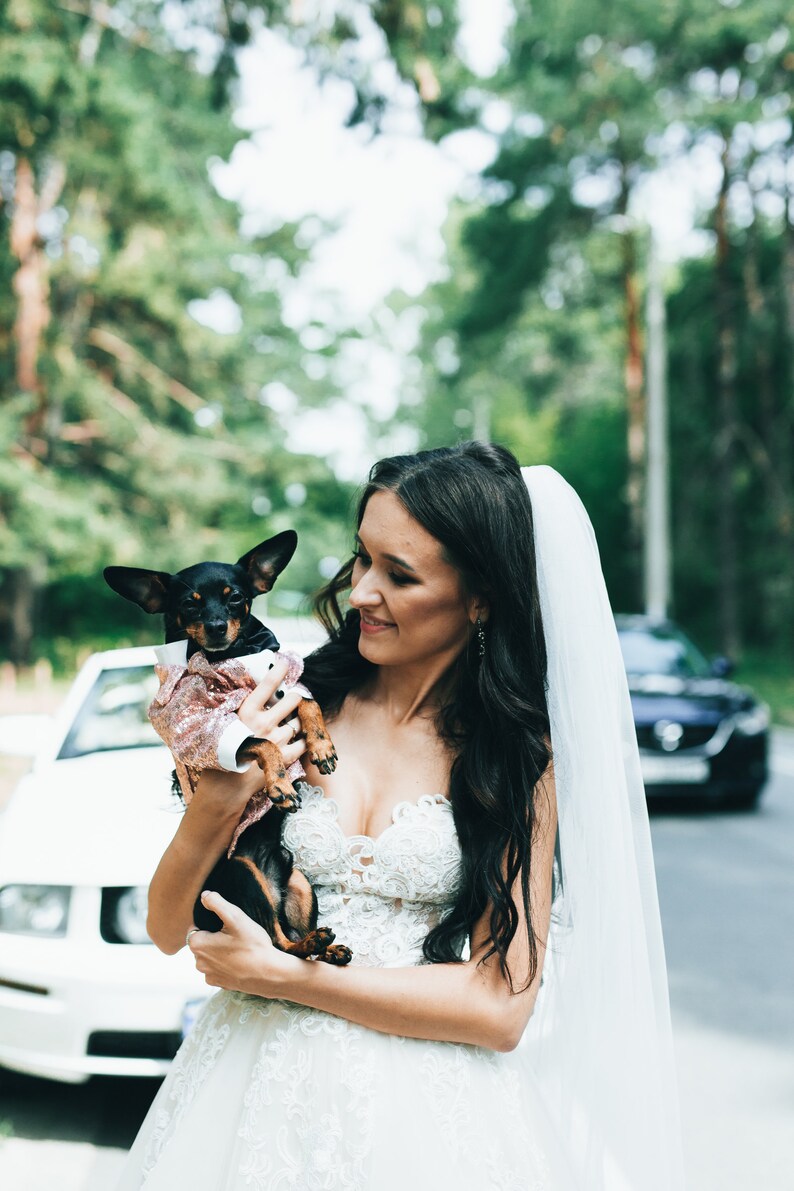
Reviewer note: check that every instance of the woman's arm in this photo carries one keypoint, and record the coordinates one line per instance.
(208, 824)
(201, 838)
(446, 1002)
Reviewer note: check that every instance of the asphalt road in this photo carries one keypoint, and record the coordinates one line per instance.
(726, 888)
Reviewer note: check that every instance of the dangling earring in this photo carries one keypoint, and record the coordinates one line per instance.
(481, 637)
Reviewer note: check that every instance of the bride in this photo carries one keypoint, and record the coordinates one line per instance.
(482, 847)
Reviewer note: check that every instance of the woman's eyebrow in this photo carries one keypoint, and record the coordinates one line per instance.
(392, 558)
(400, 562)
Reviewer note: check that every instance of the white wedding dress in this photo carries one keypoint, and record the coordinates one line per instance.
(271, 1096)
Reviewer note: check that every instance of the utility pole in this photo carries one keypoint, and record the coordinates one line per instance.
(657, 486)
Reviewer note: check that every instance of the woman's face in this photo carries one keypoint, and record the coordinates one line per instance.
(412, 601)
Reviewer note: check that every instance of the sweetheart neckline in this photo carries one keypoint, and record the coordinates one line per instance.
(436, 800)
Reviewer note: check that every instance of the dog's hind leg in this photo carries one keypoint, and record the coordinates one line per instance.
(299, 907)
(239, 881)
(315, 941)
(336, 954)
(300, 910)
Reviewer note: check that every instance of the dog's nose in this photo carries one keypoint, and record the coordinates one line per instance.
(216, 628)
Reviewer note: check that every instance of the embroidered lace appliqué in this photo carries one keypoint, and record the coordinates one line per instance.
(380, 896)
(198, 1055)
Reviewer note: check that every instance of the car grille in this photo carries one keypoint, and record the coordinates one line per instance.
(694, 736)
(129, 1044)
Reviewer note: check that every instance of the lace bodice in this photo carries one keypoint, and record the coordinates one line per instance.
(380, 895)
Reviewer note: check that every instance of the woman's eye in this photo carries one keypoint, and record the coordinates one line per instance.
(396, 577)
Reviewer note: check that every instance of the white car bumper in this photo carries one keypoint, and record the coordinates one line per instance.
(70, 1009)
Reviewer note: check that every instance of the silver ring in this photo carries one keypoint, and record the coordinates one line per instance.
(193, 931)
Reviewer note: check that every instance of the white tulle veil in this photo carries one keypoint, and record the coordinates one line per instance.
(599, 1040)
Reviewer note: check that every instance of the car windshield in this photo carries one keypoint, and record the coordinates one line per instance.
(113, 715)
(662, 651)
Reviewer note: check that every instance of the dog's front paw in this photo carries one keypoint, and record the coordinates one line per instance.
(323, 755)
(285, 798)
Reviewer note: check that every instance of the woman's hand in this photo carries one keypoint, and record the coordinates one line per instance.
(276, 723)
(241, 956)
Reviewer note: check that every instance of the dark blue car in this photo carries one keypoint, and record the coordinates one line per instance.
(701, 736)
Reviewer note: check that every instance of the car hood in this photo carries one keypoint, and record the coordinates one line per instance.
(687, 700)
(102, 819)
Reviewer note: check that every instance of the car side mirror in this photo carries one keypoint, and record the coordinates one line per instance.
(722, 667)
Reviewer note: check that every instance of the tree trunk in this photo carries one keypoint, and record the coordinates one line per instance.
(727, 419)
(769, 452)
(20, 614)
(788, 261)
(31, 287)
(30, 284)
(787, 432)
(634, 379)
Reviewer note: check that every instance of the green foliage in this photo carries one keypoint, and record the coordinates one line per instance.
(769, 673)
(531, 338)
(148, 437)
(145, 434)
(131, 431)
(764, 438)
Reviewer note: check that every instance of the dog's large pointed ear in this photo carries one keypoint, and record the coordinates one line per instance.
(147, 589)
(266, 561)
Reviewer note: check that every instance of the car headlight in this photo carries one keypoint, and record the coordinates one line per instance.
(753, 721)
(124, 915)
(35, 909)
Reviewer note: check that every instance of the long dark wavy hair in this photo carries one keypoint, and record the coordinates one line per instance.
(473, 500)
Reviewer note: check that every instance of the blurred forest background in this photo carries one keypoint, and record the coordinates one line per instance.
(132, 432)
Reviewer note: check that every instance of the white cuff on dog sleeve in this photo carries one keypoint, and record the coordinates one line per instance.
(259, 664)
(231, 738)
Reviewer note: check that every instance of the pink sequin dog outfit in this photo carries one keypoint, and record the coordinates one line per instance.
(194, 712)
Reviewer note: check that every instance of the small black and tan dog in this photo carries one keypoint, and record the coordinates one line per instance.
(209, 606)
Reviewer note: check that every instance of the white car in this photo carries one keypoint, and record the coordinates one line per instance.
(83, 991)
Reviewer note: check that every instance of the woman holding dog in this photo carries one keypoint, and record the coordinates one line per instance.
(483, 848)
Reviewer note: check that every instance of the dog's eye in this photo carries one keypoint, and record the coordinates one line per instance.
(190, 611)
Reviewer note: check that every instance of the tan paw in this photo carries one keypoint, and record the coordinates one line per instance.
(323, 754)
(336, 954)
(285, 797)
